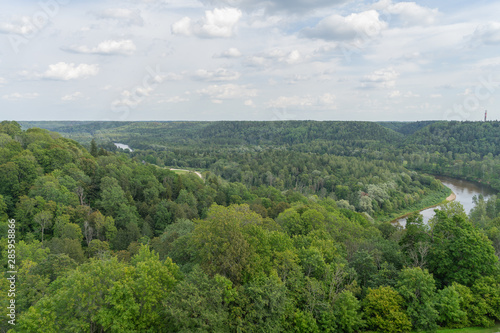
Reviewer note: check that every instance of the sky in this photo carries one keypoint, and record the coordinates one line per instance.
(249, 60)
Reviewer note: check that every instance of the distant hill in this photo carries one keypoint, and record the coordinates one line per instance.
(468, 137)
(224, 132)
(406, 127)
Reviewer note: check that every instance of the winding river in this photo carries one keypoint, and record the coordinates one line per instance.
(464, 191)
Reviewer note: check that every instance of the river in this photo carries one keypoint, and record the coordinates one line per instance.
(123, 146)
(464, 190)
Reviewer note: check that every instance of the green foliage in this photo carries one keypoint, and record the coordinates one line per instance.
(200, 303)
(346, 309)
(383, 311)
(223, 247)
(459, 252)
(448, 305)
(417, 287)
(292, 244)
(105, 295)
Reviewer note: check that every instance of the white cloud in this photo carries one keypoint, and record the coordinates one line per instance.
(132, 98)
(408, 12)
(182, 27)
(220, 74)
(291, 6)
(125, 47)
(323, 101)
(127, 16)
(249, 103)
(394, 94)
(256, 61)
(397, 93)
(2, 81)
(64, 71)
(175, 99)
(488, 34)
(71, 97)
(19, 96)
(217, 23)
(383, 78)
(230, 53)
(293, 57)
(354, 26)
(172, 77)
(217, 93)
(19, 26)
(273, 57)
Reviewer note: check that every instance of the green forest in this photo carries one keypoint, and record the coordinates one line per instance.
(288, 229)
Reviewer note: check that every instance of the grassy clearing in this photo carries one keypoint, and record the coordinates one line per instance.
(493, 329)
(183, 172)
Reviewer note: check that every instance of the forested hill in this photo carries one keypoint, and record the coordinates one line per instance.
(224, 132)
(467, 150)
(297, 132)
(107, 243)
(406, 127)
(480, 138)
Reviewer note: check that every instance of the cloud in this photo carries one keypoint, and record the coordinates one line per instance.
(19, 26)
(218, 93)
(171, 77)
(175, 99)
(488, 34)
(397, 93)
(230, 53)
(72, 97)
(383, 78)
(273, 6)
(220, 74)
(323, 101)
(2, 81)
(19, 96)
(64, 71)
(108, 47)
(132, 98)
(273, 57)
(219, 23)
(354, 26)
(249, 103)
(124, 15)
(408, 12)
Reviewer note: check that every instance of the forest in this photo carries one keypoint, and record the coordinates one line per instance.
(288, 229)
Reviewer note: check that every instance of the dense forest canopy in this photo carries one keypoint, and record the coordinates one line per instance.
(285, 232)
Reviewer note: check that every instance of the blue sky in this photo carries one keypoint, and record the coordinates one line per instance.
(249, 60)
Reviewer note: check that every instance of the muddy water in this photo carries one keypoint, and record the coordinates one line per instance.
(464, 190)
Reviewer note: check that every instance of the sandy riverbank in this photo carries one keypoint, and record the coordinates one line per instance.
(451, 197)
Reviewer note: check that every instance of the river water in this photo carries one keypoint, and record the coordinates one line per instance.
(463, 189)
(123, 146)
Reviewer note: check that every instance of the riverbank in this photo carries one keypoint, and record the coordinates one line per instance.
(449, 198)
(432, 200)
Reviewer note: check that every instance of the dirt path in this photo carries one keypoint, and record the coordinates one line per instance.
(196, 172)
